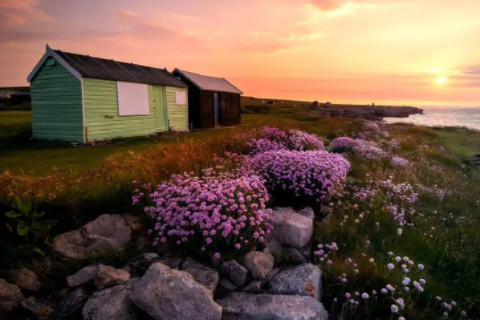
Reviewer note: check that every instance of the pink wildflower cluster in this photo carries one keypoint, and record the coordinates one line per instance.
(363, 148)
(292, 140)
(273, 134)
(342, 144)
(218, 210)
(399, 162)
(301, 141)
(370, 126)
(310, 175)
(257, 146)
(325, 251)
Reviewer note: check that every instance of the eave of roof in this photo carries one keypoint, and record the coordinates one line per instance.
(215, 84)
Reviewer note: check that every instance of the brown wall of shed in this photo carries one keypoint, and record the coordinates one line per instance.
(229, 109)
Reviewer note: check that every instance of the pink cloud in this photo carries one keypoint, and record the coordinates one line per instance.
(326, 5)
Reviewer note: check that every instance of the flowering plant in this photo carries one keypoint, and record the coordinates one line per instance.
(218, 210)
(342, 144)
(301, 141)
(309, 176)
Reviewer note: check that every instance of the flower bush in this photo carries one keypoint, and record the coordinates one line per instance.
(399, 162)
(301, 141)
(342, 144)
(292, 140)
(370, 126)
(257, 146)
(310, 175)
(216, 210)
(369, 150)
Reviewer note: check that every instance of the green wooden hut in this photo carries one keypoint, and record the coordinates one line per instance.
(83, 99)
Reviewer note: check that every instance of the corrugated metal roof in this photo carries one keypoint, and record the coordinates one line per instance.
(98, 68)
(210, 83)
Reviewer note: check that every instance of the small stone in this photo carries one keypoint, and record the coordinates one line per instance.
(110, 303)
(234, 271)
(134, 221)
(227, 285)
(108, 276)
(304, 280)
(270, 275)
(38, 309)
(10, 297)
(166, 293)
(253, 287)
(259, 264)
(294, 256)
(25, 279)
(244, 306)
(83, 276)
(291, 228)
(107, 232)
(307, 212)
(202, 274)
(71, 306)
(150, 256)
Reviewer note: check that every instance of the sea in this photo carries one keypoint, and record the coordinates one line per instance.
(451, 117)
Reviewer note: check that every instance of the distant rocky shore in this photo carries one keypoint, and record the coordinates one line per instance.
(368, 112)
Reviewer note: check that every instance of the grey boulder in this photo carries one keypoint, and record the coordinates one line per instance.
(234, 272)
(107, 232)
(291, 228)
(71, 306)
(294, 256)
(259, 264)
(304, 280)
(202, 274)
(10, 297)
(244, 306)
(110, 303)
(83, 276)
(36, 308)
(166, 293)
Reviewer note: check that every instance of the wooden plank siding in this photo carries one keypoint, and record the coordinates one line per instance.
(101, 113)
(229, 109)
(56, 104)
(177, 114)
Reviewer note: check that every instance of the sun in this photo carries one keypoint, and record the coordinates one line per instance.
(442, 80)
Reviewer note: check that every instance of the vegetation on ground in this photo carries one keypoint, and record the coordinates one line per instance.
(406, 217)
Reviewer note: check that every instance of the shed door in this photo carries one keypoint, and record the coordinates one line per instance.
(160, 110)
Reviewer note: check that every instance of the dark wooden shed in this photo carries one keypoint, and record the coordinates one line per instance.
(211, 101)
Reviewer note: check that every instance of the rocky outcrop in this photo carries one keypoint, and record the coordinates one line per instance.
(83, 276)
(368, 112)
(291, 228)
(111, 303)
(244, 306)
(234, 272)
(202, 274)
(10, 297)
(259, 264)
(303, 280)
(162, 290)
(107, 232)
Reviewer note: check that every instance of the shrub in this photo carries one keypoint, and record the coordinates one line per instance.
(219, 211)
(257, 146)
(370, 126)
(369, 150)
(312, 176)
(301, 141)
(399, 162)
(342, 144)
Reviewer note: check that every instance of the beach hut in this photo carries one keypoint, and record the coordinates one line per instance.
(83, 99)
(212, 101)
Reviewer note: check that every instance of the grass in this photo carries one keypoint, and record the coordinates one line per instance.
(442, 232)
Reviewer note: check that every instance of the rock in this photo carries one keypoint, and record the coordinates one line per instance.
(143, 244)
(110, 303)
(166, 293)
(38, 309)
(10, 297)
(291, 228)
(253, 287)
(294, 256)
(234, 271)
(83, 276)
(171, 262)
(25, 279)
(273, 245)
(202, 274)
(107, 232)
(259, 264)
(71, 306)
(134, 221)
(227, 285)
(150, 256)
(307, 212)
(270, 275)
(244, 306)
(304, 280)
(109, 276)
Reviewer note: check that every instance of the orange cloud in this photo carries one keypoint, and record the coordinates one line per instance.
(326, 5)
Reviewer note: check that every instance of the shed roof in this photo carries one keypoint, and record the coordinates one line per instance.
(105, 69)
(208, 83)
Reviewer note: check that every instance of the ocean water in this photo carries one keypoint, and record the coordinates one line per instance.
(463, 117)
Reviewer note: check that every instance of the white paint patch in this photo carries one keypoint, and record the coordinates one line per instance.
(180, 98)
(132, 99)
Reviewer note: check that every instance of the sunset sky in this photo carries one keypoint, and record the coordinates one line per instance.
(416, 52)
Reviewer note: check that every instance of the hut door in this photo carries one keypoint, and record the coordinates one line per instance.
(216, 108)
(159, 105)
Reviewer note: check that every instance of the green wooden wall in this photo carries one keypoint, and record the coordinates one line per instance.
(177, 114)
(56, 104)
